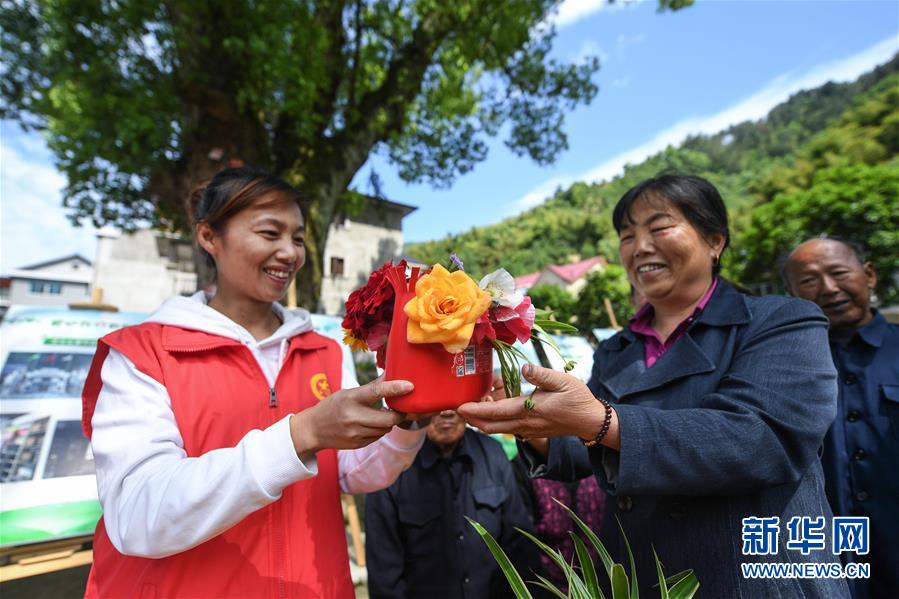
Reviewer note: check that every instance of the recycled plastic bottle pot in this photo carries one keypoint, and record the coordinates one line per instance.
(443, 381)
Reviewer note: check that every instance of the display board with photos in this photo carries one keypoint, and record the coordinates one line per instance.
(46, 468)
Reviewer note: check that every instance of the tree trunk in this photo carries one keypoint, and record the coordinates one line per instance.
(326, 178)
(309, 279)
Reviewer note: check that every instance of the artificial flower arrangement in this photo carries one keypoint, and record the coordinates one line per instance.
(448, 325)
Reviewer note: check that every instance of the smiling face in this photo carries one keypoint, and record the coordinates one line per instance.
(666, 258)
(258, 251)
(829, 273)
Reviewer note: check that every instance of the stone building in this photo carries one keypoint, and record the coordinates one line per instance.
(137, 271)
(356, 246)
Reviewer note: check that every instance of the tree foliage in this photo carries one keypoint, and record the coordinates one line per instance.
(821, 162)
(552, 297)
(141, 100)
(610, 283)
(843, 182)
(587, 310)
(853, 201)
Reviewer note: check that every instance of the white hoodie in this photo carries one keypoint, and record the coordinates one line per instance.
(156, 500)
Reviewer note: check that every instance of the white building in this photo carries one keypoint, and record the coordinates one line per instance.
(137, 271)
(356, 246)
(57, 282)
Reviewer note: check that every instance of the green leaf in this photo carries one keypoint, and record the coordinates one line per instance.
(619, 583)
(576, 585)
(508, 369)
(587, 566)
(591, 536)
(686, 587)
(676, 578)
(555, 325)
(663, 587)
(549, 586)
(515, 581)
(635, 591)
(554, 555)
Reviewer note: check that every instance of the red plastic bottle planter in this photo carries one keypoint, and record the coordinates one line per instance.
(443, 381)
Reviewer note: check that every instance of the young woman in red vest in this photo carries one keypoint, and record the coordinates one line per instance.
(219, 445)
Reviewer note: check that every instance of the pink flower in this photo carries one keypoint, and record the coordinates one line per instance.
(513, 323)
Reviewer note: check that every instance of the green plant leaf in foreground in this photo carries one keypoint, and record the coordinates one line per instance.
(620, 588)
(591, 536)
(682, 585)
(554, 554)
(515, 581)
(663, 587)
(547, 584)
(686, 587)
(587, 567)
(635, 591)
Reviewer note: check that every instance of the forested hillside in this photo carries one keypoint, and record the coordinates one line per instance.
(824, 161)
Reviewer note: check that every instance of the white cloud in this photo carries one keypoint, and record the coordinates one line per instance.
(753, 108)
(543, 191)
(572, 11)
(621, 82)
(33, 223)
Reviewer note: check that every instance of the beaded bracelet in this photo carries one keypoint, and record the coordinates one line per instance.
(605, 425)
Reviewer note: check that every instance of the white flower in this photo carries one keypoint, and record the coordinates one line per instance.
(501, 287)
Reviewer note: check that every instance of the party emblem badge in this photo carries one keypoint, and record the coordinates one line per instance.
(320, 387)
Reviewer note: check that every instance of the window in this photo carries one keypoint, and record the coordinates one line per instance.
(178, 253)
(336, 266)
(50, 287)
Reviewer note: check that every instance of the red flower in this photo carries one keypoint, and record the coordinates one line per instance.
(513, 323)
(483, 329)
(370, 308)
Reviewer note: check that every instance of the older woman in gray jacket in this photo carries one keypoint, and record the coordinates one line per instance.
(710, 407)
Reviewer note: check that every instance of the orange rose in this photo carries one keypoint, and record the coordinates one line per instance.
(444, 309)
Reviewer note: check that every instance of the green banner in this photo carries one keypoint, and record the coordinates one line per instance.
(45, 522)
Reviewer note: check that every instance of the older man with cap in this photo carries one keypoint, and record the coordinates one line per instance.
(861, 449)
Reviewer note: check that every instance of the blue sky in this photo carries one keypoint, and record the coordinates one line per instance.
(663, 76)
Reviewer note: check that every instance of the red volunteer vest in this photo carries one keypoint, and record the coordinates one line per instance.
(293, 547)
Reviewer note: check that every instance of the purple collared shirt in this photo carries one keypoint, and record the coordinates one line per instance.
(654, 348)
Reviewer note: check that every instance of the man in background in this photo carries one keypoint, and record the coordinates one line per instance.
(861, 449)
(417, 540)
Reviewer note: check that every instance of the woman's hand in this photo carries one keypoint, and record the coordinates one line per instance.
(498, 392)
(562, 405)
(346, 420)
